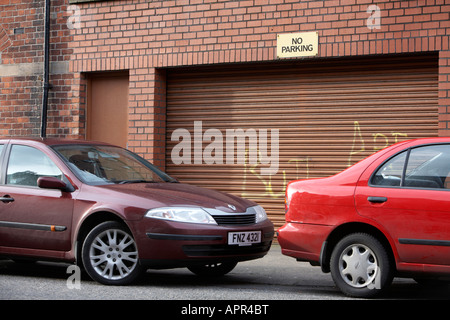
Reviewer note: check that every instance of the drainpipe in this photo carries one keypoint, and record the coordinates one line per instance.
(47, 85)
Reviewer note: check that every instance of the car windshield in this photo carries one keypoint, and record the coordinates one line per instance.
(100, 165)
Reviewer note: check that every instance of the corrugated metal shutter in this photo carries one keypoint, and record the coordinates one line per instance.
(329, 113)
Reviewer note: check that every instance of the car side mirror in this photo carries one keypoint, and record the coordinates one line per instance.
(54, 183)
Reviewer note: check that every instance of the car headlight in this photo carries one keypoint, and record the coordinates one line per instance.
(181, 214)
(261, 214)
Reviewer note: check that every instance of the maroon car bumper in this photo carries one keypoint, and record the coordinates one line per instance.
(164, 244)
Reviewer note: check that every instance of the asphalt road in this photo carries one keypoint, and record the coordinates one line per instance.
(275, 277)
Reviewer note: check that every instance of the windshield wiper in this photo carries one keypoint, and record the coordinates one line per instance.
(135, 181)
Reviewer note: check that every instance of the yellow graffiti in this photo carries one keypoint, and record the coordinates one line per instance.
(266, 180)
(303, 165)
(357, 136)
(386, 141)
(397, 134)
(358, 141)
(297, 161)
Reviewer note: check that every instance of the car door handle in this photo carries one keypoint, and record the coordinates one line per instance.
(377, 199)
(6, 199)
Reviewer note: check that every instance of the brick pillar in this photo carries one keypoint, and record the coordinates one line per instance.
(147, 114)
(444, 93)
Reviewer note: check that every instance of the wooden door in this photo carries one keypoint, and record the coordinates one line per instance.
(107, 111)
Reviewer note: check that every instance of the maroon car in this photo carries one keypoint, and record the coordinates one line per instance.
(116, 213)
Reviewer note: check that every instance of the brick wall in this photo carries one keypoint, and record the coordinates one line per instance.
(21, 70)
(19, 44)
(444, 93)
(145, 36)
(168, 33)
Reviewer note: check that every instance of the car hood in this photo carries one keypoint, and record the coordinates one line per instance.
(178, 194)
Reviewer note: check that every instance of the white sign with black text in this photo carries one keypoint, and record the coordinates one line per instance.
(293, 45)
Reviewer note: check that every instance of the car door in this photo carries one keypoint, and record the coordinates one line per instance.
(32, 217)
(409, 196)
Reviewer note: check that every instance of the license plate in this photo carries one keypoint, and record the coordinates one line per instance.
(245, 238)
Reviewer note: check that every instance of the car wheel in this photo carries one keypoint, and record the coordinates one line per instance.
(214, 269)
(360, 266)
(110, 254)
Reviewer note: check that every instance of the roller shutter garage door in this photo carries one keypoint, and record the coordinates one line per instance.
(329, 114)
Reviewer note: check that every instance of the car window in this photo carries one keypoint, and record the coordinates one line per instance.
(428, 167)
(26, 165)
(99, 165)
(390, 174)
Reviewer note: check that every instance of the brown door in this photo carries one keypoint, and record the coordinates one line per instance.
(329, 115)
(107, 112)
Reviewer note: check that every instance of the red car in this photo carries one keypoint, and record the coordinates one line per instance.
(112, 211)
(386, 216)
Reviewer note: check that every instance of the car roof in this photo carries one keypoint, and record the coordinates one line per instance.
(51, 141)
(403, 145)
(422, 141)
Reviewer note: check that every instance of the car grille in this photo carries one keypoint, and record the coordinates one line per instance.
(241, 219)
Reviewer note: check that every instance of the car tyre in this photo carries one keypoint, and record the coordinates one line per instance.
(361, 266)
(110, 254)
(213, 269)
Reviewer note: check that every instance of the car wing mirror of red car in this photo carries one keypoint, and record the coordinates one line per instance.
(54, 183)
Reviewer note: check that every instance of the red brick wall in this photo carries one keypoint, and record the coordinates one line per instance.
(444, 93)
(21, 70)
(167, 33)
(144, 36)
(19, 96)
(147, 118)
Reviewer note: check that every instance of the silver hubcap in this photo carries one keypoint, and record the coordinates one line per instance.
(113, 254)
(358, 266)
